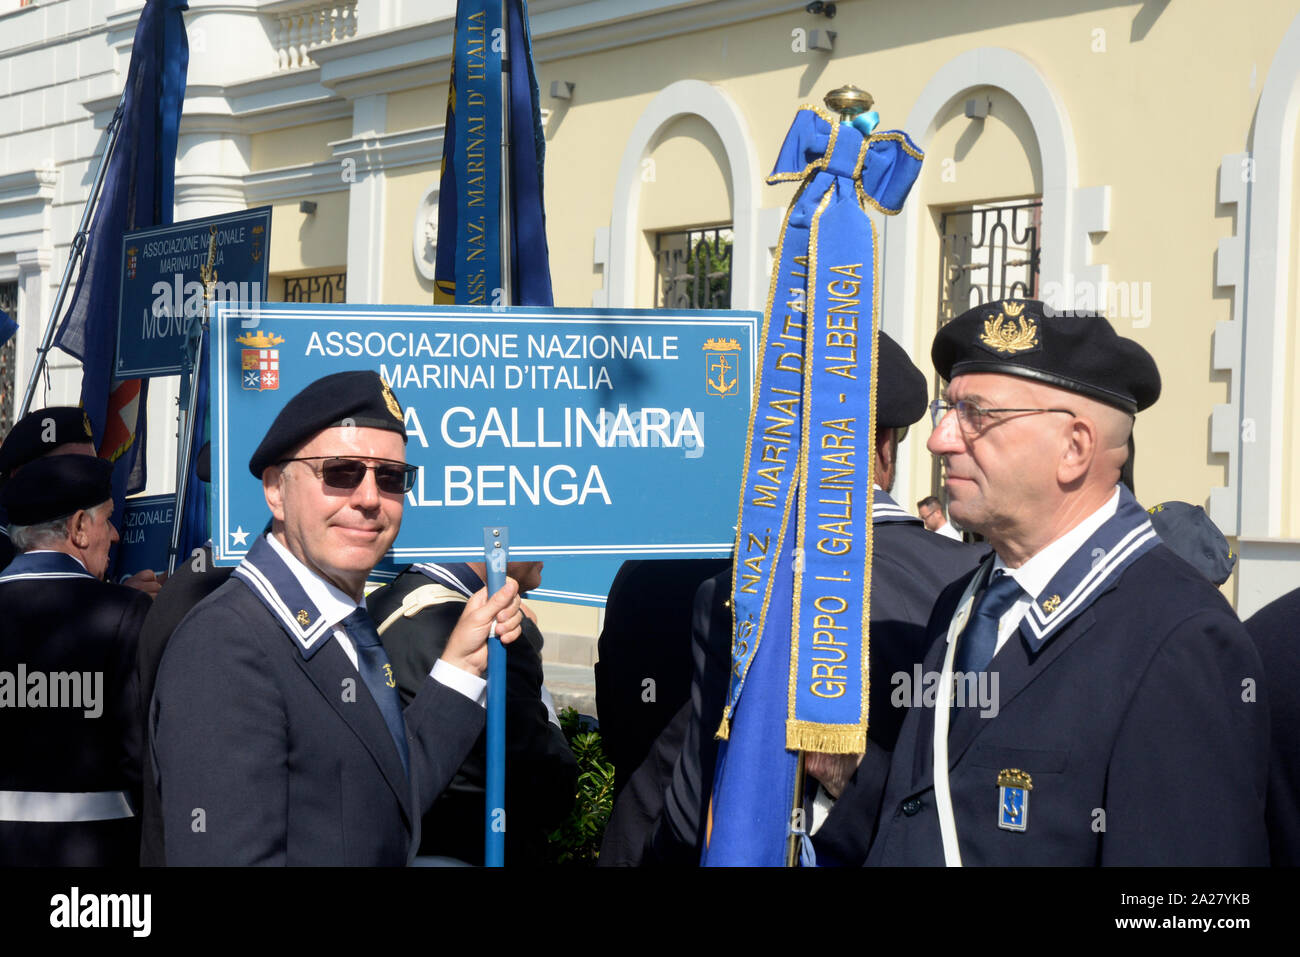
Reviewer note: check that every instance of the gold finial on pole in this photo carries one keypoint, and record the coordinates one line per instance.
(848, 101)
(206, 272)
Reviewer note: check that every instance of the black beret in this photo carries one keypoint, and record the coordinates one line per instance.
(1079, 352)
(40, 432)
(360, 399)
(1190, 535)
(55, 486)
(901, 391)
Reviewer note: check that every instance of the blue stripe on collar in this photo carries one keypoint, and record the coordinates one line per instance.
(885, 510)
(263, 571)
(456, 575)
(1093, 569)
(33, 566)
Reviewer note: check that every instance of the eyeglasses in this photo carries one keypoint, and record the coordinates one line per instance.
(970, 416)
(393, 477)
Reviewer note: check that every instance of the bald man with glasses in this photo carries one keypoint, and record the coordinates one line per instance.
(1095, 699)
(277, 730)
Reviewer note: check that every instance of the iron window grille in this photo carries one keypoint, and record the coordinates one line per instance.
(693, 269)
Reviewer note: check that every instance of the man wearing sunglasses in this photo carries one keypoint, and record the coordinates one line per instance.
(277, 730)
(1124, 727)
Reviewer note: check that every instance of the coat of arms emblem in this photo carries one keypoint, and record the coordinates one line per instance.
(260, 363)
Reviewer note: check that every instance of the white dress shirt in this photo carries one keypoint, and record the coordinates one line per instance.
(947, 531)
(1037, 573)
(334, 606)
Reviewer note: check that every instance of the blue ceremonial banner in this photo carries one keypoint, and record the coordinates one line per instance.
(162, 288)
(468, 270)
(145, 534)
(469, 201)
(587, 432)
(802, 576)
(137, 192)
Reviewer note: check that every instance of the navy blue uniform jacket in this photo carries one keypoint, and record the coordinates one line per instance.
(72, 623)
(1143, 744)
(263, 759)
(1273, 628)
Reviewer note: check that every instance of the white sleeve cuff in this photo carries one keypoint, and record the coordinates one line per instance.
(471, 686)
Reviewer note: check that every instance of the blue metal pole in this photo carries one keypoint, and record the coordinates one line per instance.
(496, 553)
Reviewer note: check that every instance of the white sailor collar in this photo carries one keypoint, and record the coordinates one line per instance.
(1069, 574)
(885, 510)
(306, 606)
(44, 564)
(457, 576)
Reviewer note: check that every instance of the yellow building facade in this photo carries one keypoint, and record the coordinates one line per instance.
(1139, 156)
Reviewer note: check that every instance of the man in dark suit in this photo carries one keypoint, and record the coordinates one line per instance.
(417, 613)
(909, 567)
(1093, 701)
(277, 730)
(643, 664)
(69, 708)
(1273, 628)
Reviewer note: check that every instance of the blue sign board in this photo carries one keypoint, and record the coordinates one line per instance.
(162, 287)
(146, 534)
(597, 432)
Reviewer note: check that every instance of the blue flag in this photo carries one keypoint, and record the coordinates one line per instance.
(802, 572)
(7, 327)
(469, 266)
(137, 192)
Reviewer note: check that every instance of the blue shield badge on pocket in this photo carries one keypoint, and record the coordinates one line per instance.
(1014, 786)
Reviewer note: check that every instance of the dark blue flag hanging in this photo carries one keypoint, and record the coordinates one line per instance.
(137, 192)
(7, 327)
(802, 575)
(469, 263)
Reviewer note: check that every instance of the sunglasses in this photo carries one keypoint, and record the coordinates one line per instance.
(393, 477)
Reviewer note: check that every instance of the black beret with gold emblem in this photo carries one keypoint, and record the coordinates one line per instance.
(901, 390)
(360, 399)
(41, 432)
(1079, 352)
(56, 486)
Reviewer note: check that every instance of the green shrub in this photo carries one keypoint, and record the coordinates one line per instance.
(577, 841)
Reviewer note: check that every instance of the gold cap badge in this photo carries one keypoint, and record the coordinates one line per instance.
(390, 400)
(1009, 332)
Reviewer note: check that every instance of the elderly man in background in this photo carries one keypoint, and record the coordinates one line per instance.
(69, 708)
(57, 430)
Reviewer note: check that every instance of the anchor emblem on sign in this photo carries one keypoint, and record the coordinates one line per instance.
(719, 369)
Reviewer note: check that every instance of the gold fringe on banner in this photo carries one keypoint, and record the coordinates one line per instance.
(825, 738)
(724, 730)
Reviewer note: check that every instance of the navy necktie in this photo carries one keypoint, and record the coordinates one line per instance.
(979, 640)
(372, 662)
